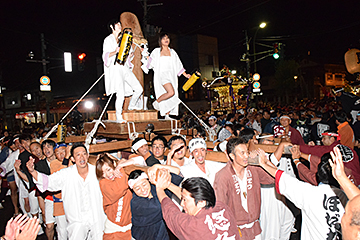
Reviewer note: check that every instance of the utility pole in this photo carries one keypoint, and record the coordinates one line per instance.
(44, 62)
(146, 8)
(247, 59)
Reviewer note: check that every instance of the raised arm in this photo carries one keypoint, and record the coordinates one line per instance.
(31, 168)
(22, 175)
(279, 151)
(172, 152)
(266, 164)
(163, 182)
(338, 172)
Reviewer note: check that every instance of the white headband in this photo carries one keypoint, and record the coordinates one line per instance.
(197, 143)
(131, 182)
(264, 136)
(285, 117)
(138, 144)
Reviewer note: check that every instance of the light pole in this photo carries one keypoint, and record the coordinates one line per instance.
(262, 25)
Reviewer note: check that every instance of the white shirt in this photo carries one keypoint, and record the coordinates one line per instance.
(186, 162)
(317, 203)
(82, 199)
(283, 164)
(211, 168)
(8, 164)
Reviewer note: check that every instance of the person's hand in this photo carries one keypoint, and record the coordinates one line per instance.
(263, 160)
(253, 153)
(13, 224)
(337, 164)
(68, 152)
(29, 231)
(151, 172)
(163, 179)
(311, 143)
(295, 152)
(187, 75)
(30, 164)
(17, 165)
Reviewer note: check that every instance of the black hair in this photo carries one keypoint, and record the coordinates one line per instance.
(174, 138)
(247, 134)
(230, 116)
(266, 111)
(76, 145)
(48, 141)
(237, 127)
(341, 116)
(112, 23)
(159, 138)
(24, 137)
(324, 172)
(200, 130)
(232, 143)
(201, 190)
(135, 174)
(326, 116)
(161, 36)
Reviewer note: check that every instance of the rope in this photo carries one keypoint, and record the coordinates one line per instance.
(210, 131)
(62, 119)
(91, 134)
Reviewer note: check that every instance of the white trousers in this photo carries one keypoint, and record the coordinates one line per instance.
(129, 86)
(79, 230)
(61, 225)
(276, 219)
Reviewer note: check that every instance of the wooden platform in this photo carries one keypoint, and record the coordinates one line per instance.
(121, 130)
(135, 115)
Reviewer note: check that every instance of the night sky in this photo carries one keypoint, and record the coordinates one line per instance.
(326, 29)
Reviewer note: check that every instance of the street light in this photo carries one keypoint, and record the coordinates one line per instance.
(262, 25)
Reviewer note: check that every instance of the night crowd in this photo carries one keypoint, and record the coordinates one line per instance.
(282, 165)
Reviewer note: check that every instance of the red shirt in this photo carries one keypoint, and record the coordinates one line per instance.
(212, 223)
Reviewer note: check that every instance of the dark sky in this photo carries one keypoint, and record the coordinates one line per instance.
(325, 28)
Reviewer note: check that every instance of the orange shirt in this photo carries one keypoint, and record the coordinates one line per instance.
(116, 200)
(347, 136)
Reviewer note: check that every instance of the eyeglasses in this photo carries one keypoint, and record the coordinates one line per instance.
(158, 146)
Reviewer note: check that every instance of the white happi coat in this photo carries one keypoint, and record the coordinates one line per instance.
(276, 219)
(115, 74)
(321, 206)
(82, 200)
(8, 164)
(171, 104)
(211, 168)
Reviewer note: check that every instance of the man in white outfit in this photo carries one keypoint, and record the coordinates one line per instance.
(119, 79)
(81, 194)
(200, 167)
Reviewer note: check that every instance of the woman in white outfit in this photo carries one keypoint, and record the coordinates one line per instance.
(167, 68)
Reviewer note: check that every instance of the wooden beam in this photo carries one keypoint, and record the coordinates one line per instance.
(115, 128)
(110, 146)
(71, 139)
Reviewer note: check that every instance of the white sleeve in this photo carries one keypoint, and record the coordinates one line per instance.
(274, 160)
(53, 182)
(295, 190)
(107, 49)
(179, 68)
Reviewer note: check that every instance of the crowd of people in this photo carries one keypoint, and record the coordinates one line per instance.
(278, 163)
